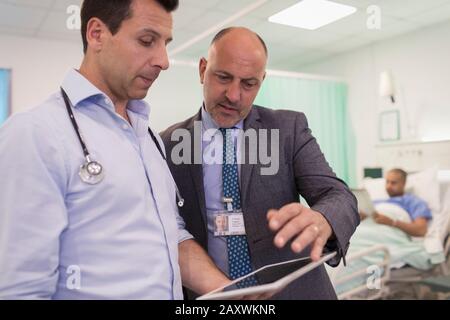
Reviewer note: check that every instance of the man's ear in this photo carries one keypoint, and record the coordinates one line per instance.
(201, 69)
(95, 34)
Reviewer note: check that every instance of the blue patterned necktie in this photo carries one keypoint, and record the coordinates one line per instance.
(238, 252)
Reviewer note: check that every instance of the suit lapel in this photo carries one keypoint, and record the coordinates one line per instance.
(195, 169)
(251, 122)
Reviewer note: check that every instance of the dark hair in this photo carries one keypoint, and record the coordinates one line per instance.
(112, 13)
(400, 172)
(223, 32)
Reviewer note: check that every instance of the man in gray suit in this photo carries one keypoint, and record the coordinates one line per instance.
(274, 225)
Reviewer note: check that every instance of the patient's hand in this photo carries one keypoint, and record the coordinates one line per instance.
(382, 219)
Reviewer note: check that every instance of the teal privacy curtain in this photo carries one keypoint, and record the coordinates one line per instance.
(324, 103)
(5, 85)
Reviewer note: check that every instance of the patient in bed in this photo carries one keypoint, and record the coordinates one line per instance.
(399, 224)
(402, 210)
(394, 223)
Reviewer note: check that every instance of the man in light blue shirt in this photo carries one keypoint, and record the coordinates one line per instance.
(121, 238)
(417, 209)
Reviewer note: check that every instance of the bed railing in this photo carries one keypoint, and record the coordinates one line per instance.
(370, 294)
(444, 265)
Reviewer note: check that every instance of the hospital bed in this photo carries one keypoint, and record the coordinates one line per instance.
(391, 279)
(367, 277)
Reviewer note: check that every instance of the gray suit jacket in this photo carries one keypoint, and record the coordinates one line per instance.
(303, 170)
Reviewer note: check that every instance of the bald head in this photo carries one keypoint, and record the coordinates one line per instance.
(242, 31)
(232, 74)
(244, 42)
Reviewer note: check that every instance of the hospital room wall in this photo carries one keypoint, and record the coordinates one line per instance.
(420, 65)
(176, 96)
(39, 66)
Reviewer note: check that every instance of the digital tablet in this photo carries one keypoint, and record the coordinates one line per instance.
(271, 278)
(365, 204)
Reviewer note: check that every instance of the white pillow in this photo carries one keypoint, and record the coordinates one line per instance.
(425, 185)
(376, 188)
(393, 211)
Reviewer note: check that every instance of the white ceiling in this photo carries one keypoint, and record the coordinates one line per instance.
(289, 48)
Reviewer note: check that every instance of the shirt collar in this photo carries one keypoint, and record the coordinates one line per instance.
(79, 89)
(209, 123)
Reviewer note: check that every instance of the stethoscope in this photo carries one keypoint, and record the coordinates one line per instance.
(91, 171)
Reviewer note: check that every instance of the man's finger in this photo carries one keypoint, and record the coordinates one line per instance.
(271, 213)
(317, 250)
(308, 235)
(293, 228)
(283, 215)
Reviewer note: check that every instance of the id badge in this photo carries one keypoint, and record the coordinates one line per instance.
(229, 223)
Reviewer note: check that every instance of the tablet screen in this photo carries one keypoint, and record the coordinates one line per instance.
(272, 273)
(271, 278)
(365, 204)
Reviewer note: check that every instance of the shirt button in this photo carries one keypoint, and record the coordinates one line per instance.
(125, 127)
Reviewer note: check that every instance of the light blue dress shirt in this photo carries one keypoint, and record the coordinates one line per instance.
(416, 207)
(212, 181)
(120, 236)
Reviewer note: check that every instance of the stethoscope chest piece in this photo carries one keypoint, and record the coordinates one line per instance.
(91, 172)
